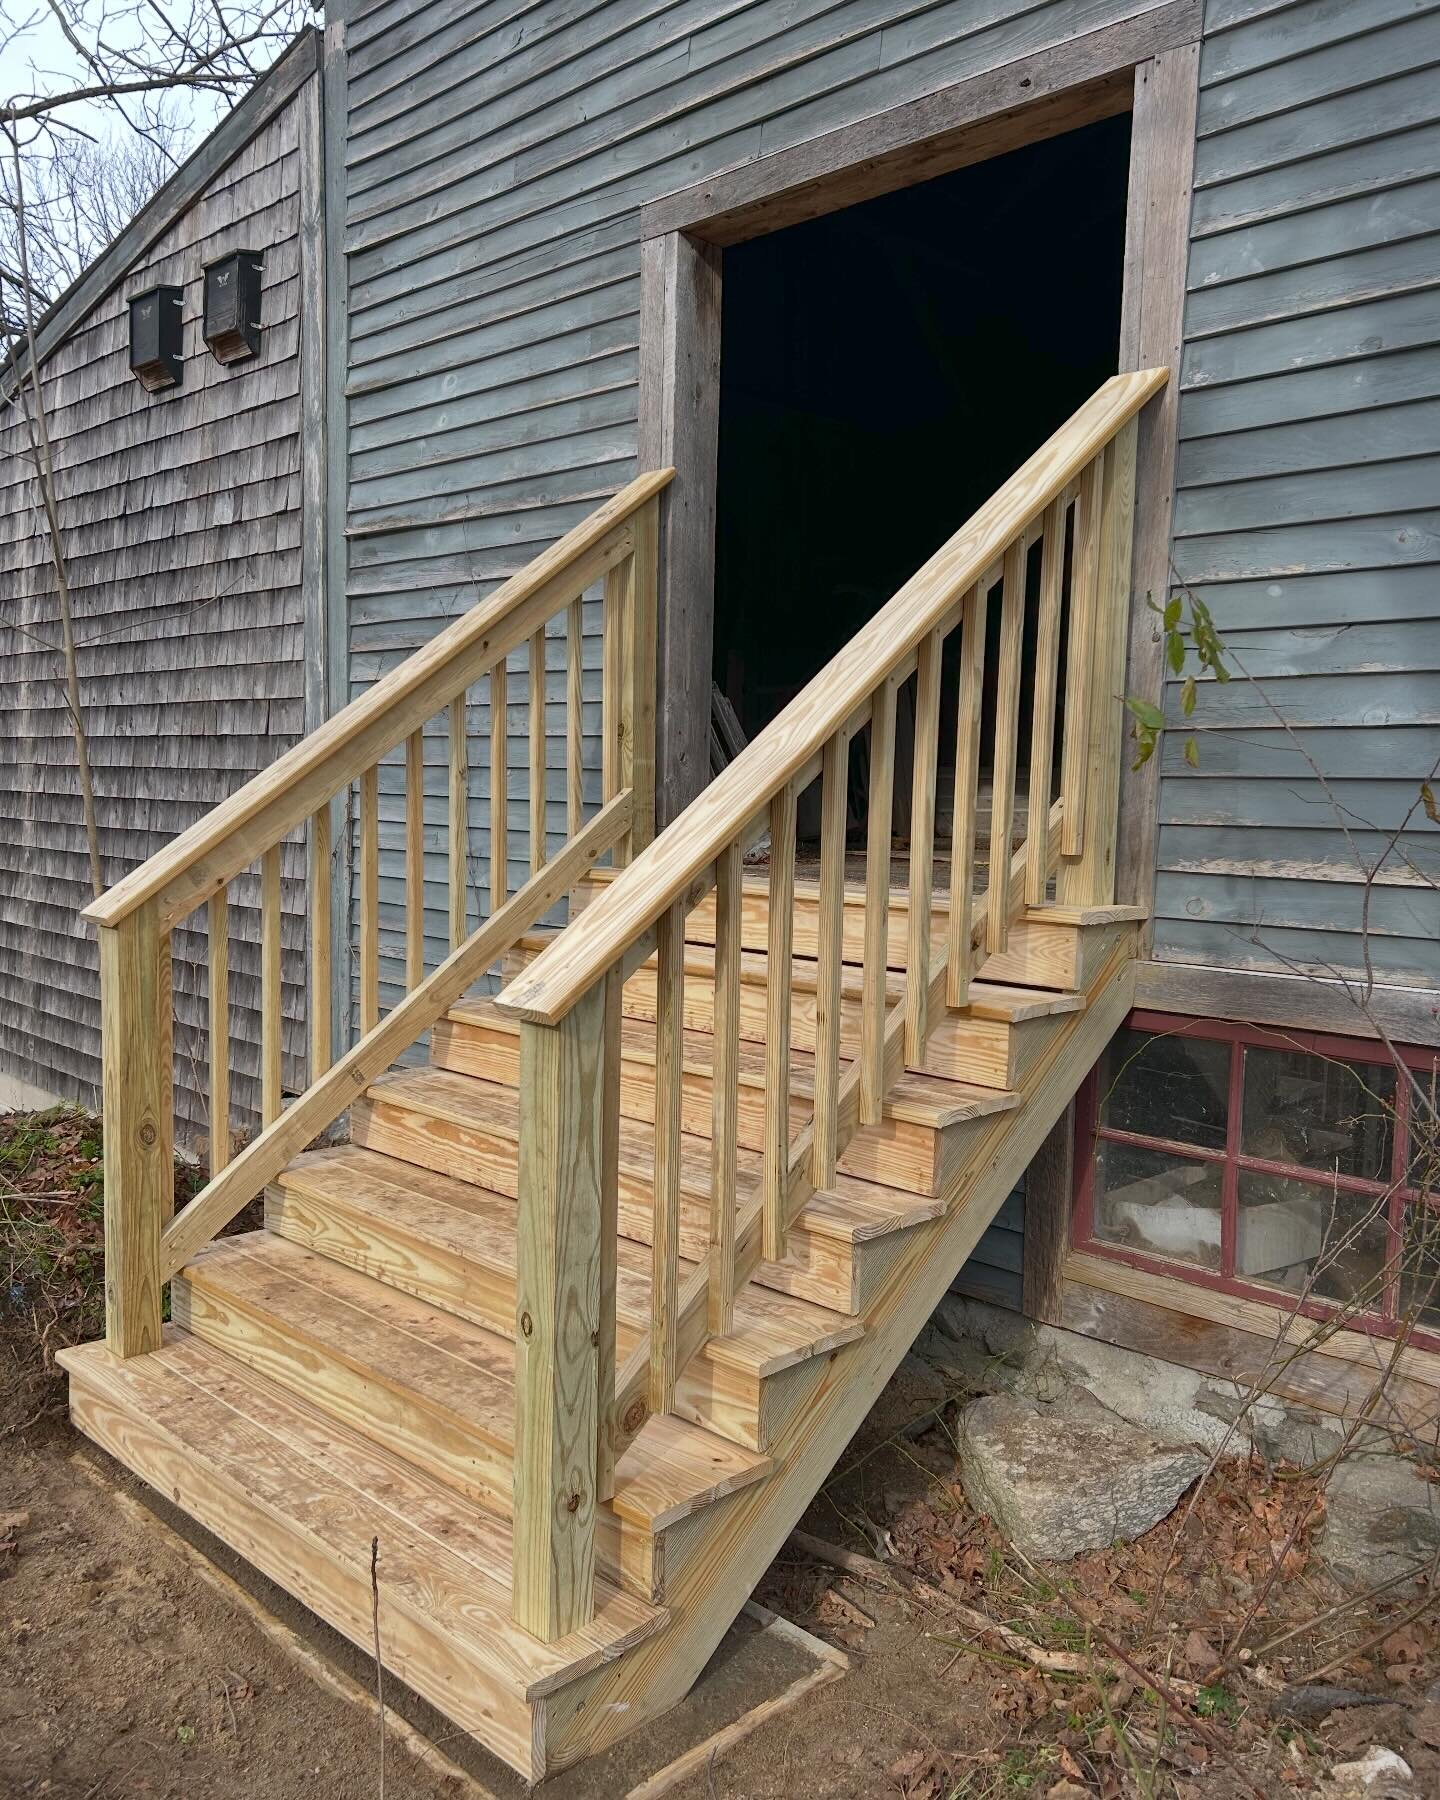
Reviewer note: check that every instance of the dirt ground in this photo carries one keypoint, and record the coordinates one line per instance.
(123, 1672)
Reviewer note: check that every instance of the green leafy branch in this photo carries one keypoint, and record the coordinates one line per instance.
(1182, 636)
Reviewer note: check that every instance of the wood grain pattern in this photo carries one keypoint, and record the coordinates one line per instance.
(369, 883)
(270, 995)
(778, 1008)
(535, 764)
(880, 798)
(414, 859)
(830, 950)
(499, 797)
(665, 1245)
(322, 926)
(218, 932)
(557, 1311)
(1042, 700)
(458, 816)
(135, 1021)
(574, 724)
(725, 1092)
(1079, 672)
(922, 845)
(967, 785)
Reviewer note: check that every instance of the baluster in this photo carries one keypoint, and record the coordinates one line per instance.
(414, 859)
(1084, 579)
(1042, 724)
(779, 941)
(537, 752)
(136, 1027)
(321, 1047)
(1089, 880)
(613, 749)
(669, 1071)
(922, 850)
(574, 721)
(609, 1232)
(499, 787)
(370, 899)
(877, 903)
(959, 952)
(459, 801)
(270, 1032)
(219, 948)
(834, 810)
(639, 682)
(725, 1088)
(1007, 736)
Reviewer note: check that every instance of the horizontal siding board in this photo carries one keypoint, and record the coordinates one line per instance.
(1266, 902)
(1312, 853)
(1384, 434)
(1354, 170)
(1406, 962)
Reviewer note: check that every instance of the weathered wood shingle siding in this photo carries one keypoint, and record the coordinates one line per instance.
(181, 516)
(1308, 509)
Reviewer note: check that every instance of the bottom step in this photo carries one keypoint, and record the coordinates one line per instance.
(301, 1498)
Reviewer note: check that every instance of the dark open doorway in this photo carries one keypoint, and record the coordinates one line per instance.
(883, 369)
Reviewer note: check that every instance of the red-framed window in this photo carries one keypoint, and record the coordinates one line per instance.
(1285, 1166)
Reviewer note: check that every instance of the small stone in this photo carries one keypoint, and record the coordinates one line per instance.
(1378, 1773)
(1060, 1480)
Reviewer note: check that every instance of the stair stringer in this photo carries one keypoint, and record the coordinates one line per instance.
(737, 1539)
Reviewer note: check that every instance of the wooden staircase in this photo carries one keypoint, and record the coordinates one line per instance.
(577, 1321)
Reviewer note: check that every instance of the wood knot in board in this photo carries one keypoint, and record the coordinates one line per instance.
(527, 1324)
(634, 1417)
(572, 1502)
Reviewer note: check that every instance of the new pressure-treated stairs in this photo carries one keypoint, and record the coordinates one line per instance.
(347, 1373)
(575, 1325)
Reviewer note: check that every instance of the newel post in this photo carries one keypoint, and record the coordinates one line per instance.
(636, 580)
(557, 1325)
(1089, 879)
(138, 1123)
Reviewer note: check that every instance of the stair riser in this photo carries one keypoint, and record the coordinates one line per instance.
(638, 1001)
(1040, 953)
(416, 1650)
(816, 1268)
(399, 1420)
(896, 1152)
(985, 1052)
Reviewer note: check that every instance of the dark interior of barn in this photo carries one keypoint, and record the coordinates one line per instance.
(884, 368)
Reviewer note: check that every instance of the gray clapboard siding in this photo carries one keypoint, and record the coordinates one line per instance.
(994, 1270)
(496, 155)
(181, 518)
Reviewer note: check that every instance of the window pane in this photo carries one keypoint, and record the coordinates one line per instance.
(1420, 1269)
(1302, 1236)
(1318, 1112)
(1424, 1173)
(1155, 1201)
(1171, 1087)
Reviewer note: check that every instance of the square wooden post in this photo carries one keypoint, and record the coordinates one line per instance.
(1089, 878)
(637, 589)
(557, 1303)
(138, 1123)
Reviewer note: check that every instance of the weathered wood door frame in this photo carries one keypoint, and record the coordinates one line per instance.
(1147, 65)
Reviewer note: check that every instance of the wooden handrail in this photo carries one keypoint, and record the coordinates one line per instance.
(226, 840)
(544, 992)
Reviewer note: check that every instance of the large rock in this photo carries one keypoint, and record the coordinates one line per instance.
(1382, 1520)
(1062, 1479)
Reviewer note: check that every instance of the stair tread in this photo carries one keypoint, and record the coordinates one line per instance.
(917, 1098)
(442, 1557)
(772, 1330)
(669, 1470)
(851, 1208)
(1013, 1005)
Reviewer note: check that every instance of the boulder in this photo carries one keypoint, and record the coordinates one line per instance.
(1379, 1775)
(1382, 1520)
(1059, 1480)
